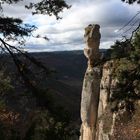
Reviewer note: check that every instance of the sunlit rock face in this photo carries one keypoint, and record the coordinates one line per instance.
(91, 84)
(92, 39)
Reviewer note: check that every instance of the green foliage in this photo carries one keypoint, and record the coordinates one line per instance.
(44, 126)
(120, 49)
(127, 70)
(49, 7)
(135, 53)
(5, 87)
(5, 84)
(8, 132)
(14, 26)
(2, 104)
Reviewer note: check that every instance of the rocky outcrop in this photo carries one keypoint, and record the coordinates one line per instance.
(92, 39)
(105, 118)
(91, 85)
(106, 113)
(117, 119)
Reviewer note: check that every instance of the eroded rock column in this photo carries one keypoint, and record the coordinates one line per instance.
(91, 84)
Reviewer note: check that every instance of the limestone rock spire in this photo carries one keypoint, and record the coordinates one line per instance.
(91, 84)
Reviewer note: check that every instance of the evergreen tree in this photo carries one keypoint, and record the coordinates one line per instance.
(127, 71)
(14, 29)
(131, 1)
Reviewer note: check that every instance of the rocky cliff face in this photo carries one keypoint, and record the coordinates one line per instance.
(105, 118)
(106, 112)
(117, 119)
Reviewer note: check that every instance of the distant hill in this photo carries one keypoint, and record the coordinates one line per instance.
(66, 84)
(70, 67)
(67, 64)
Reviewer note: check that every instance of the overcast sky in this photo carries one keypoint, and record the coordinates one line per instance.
(67, 33)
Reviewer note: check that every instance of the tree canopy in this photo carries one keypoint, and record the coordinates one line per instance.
(14, 27)
(131, 1)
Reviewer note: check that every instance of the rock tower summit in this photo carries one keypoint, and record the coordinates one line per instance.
(91, 84)
(92, 39)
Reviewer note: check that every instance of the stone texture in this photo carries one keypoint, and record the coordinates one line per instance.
(89, 103)
(105, 87)
(104, 115)
(91, 84)
(92, 39)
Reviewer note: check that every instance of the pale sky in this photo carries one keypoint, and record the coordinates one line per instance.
(67, 33)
